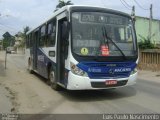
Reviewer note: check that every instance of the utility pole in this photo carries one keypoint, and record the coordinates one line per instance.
(133, 14)
(2, 44)
(150, 21)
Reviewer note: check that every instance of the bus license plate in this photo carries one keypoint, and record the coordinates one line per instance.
(111, 82)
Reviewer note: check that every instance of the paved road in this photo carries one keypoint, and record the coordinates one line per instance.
(32, 95)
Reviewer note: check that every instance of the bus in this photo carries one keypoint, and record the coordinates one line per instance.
(84, 48)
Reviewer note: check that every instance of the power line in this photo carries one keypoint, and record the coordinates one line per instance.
(140, 5)
(2, 30)
(7, 26)
(125, 5)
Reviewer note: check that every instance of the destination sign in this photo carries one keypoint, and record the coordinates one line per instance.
(102, 18)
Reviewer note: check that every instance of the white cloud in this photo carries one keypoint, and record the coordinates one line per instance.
(9, 13)
(32, 12)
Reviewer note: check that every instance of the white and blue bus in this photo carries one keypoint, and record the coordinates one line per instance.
(84, 47)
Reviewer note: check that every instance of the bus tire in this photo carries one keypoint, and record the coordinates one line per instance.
(53, 82)
(30, 67)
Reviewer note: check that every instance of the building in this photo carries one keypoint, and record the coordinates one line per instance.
(142, 29)
(19, 43)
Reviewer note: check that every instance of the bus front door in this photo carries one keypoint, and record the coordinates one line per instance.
(61, 51)
(35, 48)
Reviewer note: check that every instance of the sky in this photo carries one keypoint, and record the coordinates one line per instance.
(16, 14)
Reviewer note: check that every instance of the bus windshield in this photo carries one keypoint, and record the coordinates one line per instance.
(102, 34)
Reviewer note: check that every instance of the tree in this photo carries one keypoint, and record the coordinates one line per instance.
(26, 29)
(8, 40)
(22, 36)
(63, 3)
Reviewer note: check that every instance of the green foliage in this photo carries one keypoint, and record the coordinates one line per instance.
(23, 36)
(5, 44)
(8, 40)
(145, 43)
(26, 29)
(63, 3)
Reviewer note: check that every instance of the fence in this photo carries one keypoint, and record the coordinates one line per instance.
(149, 60)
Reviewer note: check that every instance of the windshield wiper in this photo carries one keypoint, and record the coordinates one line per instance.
(104, 35)
(110, 39)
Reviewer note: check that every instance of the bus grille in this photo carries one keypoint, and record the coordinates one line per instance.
(107, 75)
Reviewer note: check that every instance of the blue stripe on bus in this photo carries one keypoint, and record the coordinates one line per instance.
(42, 65)
(104, 70)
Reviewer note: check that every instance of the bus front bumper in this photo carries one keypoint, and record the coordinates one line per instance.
(76, 82)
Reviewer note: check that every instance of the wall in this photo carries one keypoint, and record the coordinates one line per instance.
(142, 28)
(149, 59)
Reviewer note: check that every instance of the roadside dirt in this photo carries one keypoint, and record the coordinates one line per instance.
(8, 96)
(149, 76)
(28, 93)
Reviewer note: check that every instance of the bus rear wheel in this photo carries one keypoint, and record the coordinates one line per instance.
(53, 82)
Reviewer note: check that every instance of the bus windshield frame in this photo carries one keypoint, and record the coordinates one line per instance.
(92, 31)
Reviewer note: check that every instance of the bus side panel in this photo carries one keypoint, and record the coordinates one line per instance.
(41, 65)
(44, 60)
(35, 46)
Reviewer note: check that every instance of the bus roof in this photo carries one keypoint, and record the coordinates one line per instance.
(83, 7)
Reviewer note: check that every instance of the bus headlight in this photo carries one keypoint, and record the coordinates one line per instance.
(134, 71)
(77, 71)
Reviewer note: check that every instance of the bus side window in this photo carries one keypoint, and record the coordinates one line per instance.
(51, 34)
(30, 39)
(27, 41)
(122, 34)
(42, 36)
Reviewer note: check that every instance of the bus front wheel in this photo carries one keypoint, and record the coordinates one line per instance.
(53, 81)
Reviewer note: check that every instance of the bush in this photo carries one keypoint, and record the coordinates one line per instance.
(145, 43)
